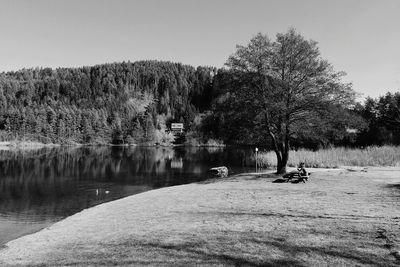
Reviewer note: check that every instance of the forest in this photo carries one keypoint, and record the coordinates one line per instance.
(110, 103)
(135, 103)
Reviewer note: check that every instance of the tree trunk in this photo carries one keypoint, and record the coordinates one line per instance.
(282, 159)
(281, 149)
(281, 168)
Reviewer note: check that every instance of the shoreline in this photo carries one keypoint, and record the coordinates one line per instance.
(32, 145)
(230, 221)
(24, 145)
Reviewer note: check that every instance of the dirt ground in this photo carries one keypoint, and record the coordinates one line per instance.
(344, 217)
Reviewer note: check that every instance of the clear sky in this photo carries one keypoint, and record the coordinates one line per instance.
(361, 37)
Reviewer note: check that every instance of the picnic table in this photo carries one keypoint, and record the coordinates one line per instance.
(296, 175)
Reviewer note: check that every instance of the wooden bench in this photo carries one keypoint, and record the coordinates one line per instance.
(296, 175)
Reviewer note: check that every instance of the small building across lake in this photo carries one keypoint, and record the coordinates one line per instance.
(177, 127)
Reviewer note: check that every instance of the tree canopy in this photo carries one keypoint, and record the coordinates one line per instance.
(289, 87)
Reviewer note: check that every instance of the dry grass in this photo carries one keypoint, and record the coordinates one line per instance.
(338, 218)
(336, 157)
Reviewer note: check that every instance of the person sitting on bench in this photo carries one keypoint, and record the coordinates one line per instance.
(300, 174)
(302, 171)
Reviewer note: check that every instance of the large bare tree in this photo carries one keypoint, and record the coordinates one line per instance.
(290, 84)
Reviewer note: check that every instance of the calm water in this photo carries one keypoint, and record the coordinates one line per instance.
(38, 188)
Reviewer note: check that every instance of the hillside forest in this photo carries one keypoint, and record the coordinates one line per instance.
(135, 103)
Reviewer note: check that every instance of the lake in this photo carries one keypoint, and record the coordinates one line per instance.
(40, 187)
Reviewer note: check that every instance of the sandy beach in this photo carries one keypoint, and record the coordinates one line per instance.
(341, 217)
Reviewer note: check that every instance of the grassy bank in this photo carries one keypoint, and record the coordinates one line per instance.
(338, 218)
(336, 157)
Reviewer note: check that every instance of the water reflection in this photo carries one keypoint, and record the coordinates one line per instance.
(40, 187)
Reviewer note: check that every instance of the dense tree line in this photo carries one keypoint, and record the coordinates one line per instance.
(382, 116)
(236, 119)
(135, 102)
(375, 121)
(120, 102)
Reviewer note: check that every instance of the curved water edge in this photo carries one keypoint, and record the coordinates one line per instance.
(42, 186)
(241, 210)
(83, 212)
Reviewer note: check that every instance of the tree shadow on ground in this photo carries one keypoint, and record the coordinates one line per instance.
(280, 180)
(291, 254)
(207, 257)
(289, 215)
(395, 186)
(227, 248)
(355, 256)
(161, 253)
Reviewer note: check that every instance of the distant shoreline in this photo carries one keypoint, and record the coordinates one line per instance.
(32, 145)
(24, 145)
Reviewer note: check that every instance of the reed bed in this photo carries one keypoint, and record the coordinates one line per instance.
(336, 157)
